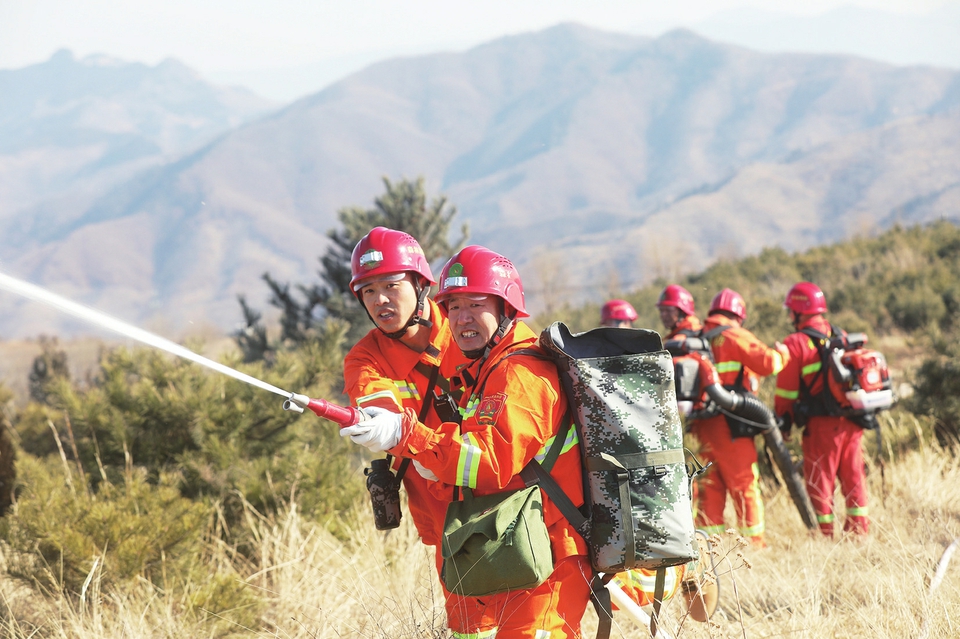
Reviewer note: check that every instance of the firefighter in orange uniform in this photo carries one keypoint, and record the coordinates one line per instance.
(618, 314)
(408, 355)
(675, 305)
(512, 409)
(740, 359)
(831, 444)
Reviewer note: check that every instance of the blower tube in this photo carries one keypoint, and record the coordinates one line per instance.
(747, 407)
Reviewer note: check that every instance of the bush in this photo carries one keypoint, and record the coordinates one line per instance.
(937, 391)
(224, 440)
(915, 307)
(131, 529)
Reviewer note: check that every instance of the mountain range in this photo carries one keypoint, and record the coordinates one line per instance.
(596, 161)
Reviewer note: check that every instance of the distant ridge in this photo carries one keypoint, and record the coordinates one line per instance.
(596, 161)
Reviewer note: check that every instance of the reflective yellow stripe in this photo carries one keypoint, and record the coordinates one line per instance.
(471, 407)
(786, 394)
(778, 362)
(486, 634)
(810, 368)
(407, 389)
(468, 464)
(366, 399)
(728, 367)
(825, 519)
(858, 511)
(712, 530)
(646, 580)
(753, 531)
(571, 441)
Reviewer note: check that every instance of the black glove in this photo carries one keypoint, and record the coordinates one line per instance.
(867, 422)
(785, 423)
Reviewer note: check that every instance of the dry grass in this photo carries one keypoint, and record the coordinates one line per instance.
(300, 582)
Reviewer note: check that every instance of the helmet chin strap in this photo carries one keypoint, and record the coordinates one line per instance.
(504, 326)
(415, 318)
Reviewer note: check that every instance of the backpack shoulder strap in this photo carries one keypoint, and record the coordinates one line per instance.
(432, 373)
(536, 473)
(818, 340)
(814, 334)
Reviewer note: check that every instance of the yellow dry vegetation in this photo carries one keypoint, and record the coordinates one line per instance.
(296, 580)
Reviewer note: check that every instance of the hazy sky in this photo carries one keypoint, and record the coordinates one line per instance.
(280, 43)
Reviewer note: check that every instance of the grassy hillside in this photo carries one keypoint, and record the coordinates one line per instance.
(158, 499)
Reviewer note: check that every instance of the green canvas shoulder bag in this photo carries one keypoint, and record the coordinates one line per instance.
(499, 542)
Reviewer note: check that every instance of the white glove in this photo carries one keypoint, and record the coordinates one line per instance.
(423, 471)
(379, 431)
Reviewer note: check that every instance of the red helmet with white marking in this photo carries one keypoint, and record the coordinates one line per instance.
(476, 270)
(384, 251)
(730, 301)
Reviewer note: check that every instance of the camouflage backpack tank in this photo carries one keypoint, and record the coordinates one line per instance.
(619, 383)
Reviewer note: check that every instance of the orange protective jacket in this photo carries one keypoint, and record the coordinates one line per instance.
(379, 371)
(510, 416)
(737, 351)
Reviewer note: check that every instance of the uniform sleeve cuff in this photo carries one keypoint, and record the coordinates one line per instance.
(413, 435)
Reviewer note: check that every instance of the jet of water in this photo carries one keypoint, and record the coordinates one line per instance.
(39, 294)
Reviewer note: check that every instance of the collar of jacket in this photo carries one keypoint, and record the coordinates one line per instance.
(717, 319)
(434, 351)
(817, 323)
(519, 336)
(688, 323)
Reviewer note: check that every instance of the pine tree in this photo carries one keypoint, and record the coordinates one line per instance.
(404, 207)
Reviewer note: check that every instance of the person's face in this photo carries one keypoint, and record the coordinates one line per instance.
(390, 304)
(669, 316)
(473, 320)
(619, 323)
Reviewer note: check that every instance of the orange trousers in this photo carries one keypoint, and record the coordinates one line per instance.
(734, 471)
(832, 450)
(553, 609)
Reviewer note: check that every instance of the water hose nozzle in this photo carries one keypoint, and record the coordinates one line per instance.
(296, 403)
(342, 415)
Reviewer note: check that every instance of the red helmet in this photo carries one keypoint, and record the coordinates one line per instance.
(384, 251)
(806, 298)
(731, 301)
(480, 271)
(617, 310)
(676, 295)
